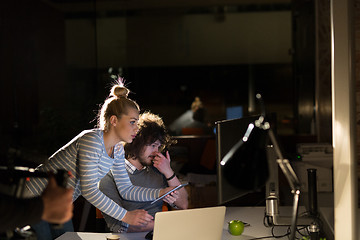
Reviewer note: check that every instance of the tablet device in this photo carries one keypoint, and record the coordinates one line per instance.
(172, 190)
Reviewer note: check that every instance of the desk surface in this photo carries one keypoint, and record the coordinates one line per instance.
(252, 215)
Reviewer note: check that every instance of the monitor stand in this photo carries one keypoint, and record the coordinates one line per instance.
(325, 214)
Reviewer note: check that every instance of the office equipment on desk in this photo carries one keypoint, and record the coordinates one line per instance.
(316, 152)
(100, 236)
(113, 237)
(199, 224)
(244, 176)
(234, 112)
(169, 192)
(247, 157)
(317, 156)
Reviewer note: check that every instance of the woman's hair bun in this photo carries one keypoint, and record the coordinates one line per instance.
(119, 91)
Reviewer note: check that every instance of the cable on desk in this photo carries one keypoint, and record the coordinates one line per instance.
(273, 235)
(287, 234)
(267, 221)
(302, 234)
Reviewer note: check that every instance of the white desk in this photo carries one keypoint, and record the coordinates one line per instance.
(255, 217)
(252, 215)
(99, 236)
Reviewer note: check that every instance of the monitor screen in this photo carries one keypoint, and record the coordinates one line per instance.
(248, 169)
(234, 112)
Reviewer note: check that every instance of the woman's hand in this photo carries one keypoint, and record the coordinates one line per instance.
(148, 227)
(138, 217)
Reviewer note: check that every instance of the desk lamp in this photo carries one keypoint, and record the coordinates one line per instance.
(255, 135)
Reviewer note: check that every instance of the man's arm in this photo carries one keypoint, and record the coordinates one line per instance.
(57, 203)
(162, 163)
(55, 206)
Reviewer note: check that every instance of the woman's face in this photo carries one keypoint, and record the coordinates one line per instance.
(127, 126)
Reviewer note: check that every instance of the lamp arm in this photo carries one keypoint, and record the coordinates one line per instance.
(272, 210)
(285, 164)
(272, 203)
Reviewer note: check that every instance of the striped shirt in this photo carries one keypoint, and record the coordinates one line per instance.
(85, 156)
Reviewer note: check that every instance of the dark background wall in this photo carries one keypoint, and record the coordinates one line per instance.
(55, 57)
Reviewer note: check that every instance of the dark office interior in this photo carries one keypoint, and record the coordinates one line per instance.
(59, 59)
(56, 57)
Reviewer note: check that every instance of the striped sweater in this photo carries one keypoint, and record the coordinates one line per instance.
(85, 156)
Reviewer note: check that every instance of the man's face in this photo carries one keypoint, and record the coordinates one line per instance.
(148, 153)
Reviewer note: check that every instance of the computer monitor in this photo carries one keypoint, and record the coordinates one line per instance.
(234, 112)
(248, 169)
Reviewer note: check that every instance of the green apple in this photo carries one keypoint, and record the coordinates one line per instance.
(236, 227)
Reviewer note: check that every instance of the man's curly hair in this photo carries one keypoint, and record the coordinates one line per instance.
(151, 129)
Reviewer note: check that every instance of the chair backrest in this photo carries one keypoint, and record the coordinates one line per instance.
(208, 157)
(192, 131)
(98, 214)
(100, 223)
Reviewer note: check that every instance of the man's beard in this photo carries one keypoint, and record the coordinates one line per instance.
(144, 162)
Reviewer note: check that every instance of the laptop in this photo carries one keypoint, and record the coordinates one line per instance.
(198, 223)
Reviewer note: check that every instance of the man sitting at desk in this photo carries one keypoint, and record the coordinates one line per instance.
(147, 167)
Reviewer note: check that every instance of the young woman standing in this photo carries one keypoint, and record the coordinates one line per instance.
(90, 156)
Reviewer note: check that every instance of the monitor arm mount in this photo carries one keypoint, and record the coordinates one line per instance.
(272, 216)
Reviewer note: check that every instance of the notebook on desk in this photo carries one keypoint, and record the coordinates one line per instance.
(199, 224)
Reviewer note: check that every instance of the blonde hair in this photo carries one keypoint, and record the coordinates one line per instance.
(116, 104)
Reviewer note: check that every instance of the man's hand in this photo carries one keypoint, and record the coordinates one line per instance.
(162, 163)
(165, 190)
(58, 207)
(138, 217)
(179, 197)
(171, 198)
